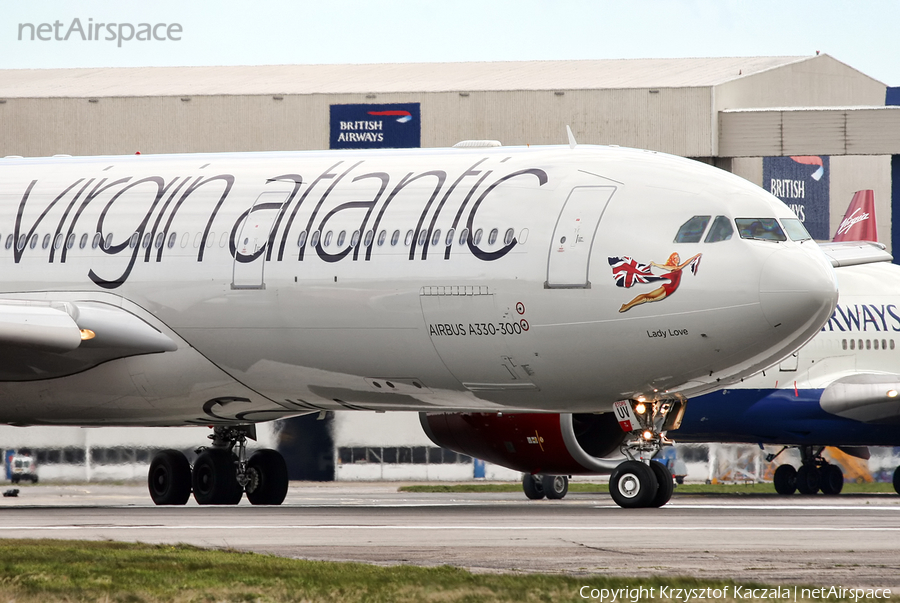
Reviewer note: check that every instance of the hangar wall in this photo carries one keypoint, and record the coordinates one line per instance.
(822, 82)
(670, 120)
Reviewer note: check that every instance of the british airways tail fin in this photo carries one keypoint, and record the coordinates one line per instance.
(859, 221)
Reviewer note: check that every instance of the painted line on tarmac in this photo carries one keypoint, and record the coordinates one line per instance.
(447, 528)
(785, 507)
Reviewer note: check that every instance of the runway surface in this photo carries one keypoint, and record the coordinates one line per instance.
(848, 540)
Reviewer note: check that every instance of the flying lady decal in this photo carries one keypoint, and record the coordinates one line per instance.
(628, 272)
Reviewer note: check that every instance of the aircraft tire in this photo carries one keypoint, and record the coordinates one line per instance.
(555, 486)
(785, 480)
(633, 485)
(808, 479)
(532, 486)
(897, 480)
(831, 479)
(169, 478)
(268, 478)
(214, 478)
(666, 484)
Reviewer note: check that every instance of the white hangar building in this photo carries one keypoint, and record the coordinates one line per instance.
(811, 129)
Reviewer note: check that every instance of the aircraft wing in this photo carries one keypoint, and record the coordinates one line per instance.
(865, 397)
(47, 339)
(853, 253)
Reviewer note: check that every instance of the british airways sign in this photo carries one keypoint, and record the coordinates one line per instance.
(802, 182)
(394, 126)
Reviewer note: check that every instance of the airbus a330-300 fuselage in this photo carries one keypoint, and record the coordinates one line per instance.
(237, 288)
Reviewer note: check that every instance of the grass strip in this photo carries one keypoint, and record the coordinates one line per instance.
(74, 571)
(749, 488)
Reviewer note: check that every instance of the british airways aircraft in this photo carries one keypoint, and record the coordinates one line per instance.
(231, 289)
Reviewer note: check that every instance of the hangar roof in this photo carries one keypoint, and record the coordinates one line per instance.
(382, 78)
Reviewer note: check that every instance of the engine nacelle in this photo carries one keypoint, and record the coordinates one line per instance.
(553, 444)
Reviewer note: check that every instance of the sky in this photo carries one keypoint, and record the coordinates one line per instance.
(861, 33)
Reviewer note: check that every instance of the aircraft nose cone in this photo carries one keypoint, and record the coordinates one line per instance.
(797, 289)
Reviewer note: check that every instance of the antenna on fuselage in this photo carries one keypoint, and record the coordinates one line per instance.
(572, 142)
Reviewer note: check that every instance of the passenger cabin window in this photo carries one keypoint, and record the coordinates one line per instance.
(761, 229)
(721, 230)
(692, 230)
(795, 229)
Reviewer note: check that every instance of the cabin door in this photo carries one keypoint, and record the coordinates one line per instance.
(573, 237)
(250, 246)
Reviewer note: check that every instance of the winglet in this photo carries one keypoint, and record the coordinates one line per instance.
(572, 143)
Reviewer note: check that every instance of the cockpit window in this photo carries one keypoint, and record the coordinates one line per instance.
(721, 230)
(795, 229)
(763, 229)
(692, 230)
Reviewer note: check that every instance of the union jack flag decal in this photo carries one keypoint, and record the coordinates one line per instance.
(629, 272)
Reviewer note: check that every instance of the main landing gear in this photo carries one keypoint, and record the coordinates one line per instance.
(640, 482)
(815, 474)
(221, 473)
(536, 487)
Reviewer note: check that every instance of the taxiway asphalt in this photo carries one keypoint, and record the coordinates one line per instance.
(847, 540)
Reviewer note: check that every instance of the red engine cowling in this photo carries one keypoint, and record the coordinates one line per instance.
(553, 444)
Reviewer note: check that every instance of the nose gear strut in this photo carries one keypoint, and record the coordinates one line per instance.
(640, 482)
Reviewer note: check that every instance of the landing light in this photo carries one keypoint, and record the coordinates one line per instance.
(640, 408)
(892, 393)
(648, 435)
(88, 334)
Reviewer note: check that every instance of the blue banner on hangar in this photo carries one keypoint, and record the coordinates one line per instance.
(802, 182)
(393, 126)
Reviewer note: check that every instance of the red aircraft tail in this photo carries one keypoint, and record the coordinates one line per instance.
(859, 221)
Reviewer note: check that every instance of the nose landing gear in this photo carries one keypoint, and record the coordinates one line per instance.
(221, 474)
(640, 482)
